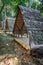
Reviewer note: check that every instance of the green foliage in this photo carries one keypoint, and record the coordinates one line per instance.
(6, 1)
(33, 5)
(11, 6)
(38, 5)
(0, 16)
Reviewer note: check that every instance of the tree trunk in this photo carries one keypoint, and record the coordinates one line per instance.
(2, 8)
(1, 11)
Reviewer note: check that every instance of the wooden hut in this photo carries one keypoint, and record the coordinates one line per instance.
(19, 25)
(2, 25)
(33, 22)
(6, 25)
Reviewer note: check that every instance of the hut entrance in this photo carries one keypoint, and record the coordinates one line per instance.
(19, 26)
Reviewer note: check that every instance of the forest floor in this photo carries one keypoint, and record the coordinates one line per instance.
(11, 53)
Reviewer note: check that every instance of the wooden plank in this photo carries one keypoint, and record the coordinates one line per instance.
(22, 44)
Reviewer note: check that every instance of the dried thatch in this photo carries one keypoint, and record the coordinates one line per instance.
(34, 23)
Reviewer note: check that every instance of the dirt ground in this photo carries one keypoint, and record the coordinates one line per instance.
(11, 53)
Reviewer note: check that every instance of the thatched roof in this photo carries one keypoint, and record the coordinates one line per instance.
(34, 23)
(34, 13)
